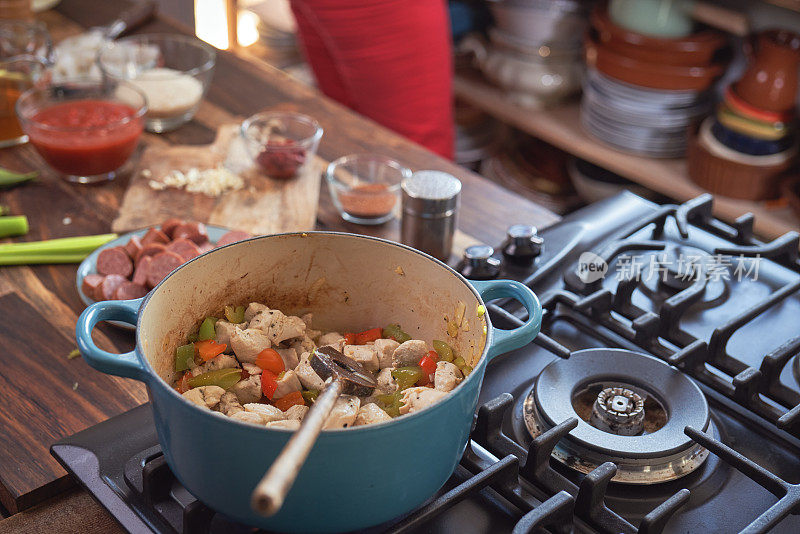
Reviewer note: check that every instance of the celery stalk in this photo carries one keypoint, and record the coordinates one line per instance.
(13, 225)
(63, 245)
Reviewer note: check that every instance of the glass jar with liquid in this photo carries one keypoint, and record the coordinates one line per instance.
(25, 54)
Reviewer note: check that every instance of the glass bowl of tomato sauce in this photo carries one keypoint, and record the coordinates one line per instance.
(86, 130)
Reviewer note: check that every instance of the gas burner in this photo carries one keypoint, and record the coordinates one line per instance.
(677, 267)
(631, 410)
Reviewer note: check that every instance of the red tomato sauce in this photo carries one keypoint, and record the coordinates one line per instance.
(92, 135)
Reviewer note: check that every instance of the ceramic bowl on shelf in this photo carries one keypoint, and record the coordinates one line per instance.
(532, 77)
(534, 22)
(723, 171)
(750, 145)
(699, 48)
(648, 74)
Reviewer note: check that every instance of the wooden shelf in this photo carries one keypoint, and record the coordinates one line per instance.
(560, 126)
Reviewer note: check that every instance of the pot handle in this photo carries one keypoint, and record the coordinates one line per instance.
(508, 340)
(128, 364)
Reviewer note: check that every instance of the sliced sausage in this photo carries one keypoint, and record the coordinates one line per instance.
(142, 268)
(194, 231)
(184, 248)
(109, 286)
(232, 237)
(154, 235)
(114, 261)
(134, 247)
(150, 250)
(91, 285)
(128, 290)
(162, 264)
(205, 247)
(168, 226)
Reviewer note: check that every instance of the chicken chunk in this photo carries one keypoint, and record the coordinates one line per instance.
(289, 357)
(224, 331)
(205, 396)
(253, 309)
(363, 354)
(278, 326)
(252, 369)
(307, 376)
(248, 343)
(289, 424)
(222, 361)
(331, 338)
(298, 411)
(286, 384)
(447, 376)
(229, 404)
(304, 344)
(409, 353)
(269, 412)
(386, 382)
(344, 412)
(385, 348)
(249, 417)
(371, 413)
(418, 398)
(248, 390)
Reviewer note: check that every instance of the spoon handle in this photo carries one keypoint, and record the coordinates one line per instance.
(268, 496)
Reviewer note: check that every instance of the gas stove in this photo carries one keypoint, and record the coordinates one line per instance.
(662, 395)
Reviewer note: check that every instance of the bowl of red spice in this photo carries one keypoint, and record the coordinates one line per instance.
(365, 188)
(282, 144)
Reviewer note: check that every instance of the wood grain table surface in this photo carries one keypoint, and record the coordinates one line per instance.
(46, 396)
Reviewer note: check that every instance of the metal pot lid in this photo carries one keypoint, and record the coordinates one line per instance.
(632, 393)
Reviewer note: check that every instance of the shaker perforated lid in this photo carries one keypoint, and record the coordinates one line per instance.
(432, 193)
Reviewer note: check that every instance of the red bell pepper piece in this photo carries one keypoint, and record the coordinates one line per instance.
(289, 400)
(269, 383)
(349, 338)
(209, 348)
(362, 338)
(270, 360)
(428, 362)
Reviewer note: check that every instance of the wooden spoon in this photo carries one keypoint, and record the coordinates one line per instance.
(343, 375)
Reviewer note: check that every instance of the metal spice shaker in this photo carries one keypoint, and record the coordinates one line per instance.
(430, 207)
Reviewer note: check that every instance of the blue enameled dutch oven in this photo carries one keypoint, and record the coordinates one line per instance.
(355, 477)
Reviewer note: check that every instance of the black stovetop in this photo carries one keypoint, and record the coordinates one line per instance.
(736, 339)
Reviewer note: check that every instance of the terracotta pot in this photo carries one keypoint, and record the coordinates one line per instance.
(721, 171)
(695, 50)
(770, 82)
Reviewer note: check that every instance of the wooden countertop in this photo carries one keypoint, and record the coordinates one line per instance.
(39, 304)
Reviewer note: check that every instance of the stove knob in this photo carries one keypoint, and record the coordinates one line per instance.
(523, 243)
(478, 263)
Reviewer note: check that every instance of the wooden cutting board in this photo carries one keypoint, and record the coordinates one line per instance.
(262, 206)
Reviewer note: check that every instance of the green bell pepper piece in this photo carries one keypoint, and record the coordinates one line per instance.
(445, 351)
(207, 329)
(394, 331)
(407, 376)
(184, 357)
(459, 362)
(310, 395)
(390, 403)
(234, 315)
(224, 378)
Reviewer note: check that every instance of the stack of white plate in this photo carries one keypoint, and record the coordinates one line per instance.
(642, 121)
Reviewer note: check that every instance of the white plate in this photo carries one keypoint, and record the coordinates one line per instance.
(89, 264)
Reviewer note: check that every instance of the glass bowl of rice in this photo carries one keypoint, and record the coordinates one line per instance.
(173, 71)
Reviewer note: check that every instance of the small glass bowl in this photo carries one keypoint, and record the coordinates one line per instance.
(365, 188)
(281, 144)
(173, 71)
(84, 153)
